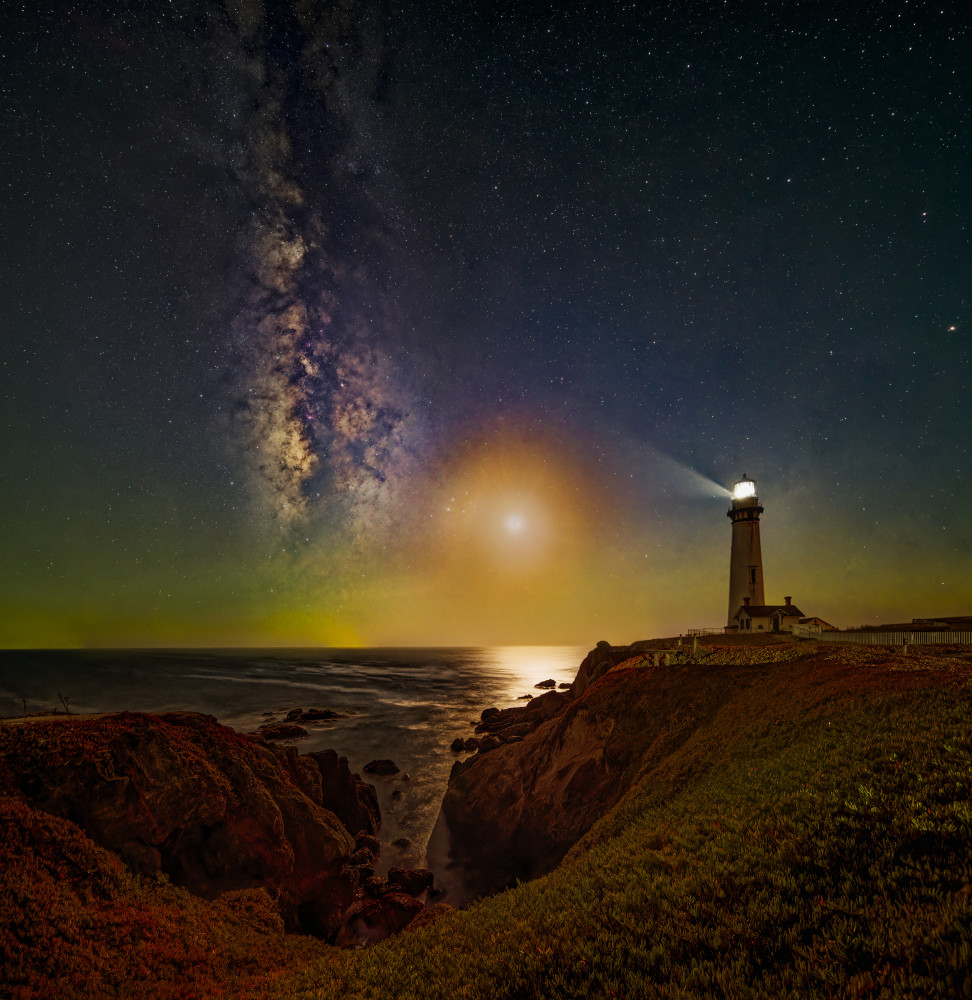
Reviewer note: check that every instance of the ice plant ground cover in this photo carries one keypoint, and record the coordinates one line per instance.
(811, 837)
(814, 838)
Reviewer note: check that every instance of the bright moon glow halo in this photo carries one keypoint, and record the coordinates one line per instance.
(515, 523)
(513, 507)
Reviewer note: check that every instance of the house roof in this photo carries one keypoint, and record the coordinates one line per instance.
(814, 620)
(766, 610)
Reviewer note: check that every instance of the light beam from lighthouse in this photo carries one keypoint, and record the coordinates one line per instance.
(746, 558)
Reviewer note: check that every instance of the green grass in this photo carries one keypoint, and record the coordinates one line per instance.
(814, 840)
(812, 837)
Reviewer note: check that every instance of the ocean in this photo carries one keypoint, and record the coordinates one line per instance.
(405, 704)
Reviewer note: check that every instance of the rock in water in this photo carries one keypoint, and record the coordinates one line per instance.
(410, 880)
(314, 714)
(181, 794)
(523, 719)
(548, 683)
(382, 767)
(281, 731)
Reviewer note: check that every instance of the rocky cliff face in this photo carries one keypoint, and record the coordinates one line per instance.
(213, 809)
(514, 812)
(602, 658)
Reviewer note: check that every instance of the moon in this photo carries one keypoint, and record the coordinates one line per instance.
(515, 523)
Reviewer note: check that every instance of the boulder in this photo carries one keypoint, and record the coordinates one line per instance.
(410, 880)
(488, 713)
(375, 886)
(281, 731)
(381, 767)
(346, 794)
(524, 719)
(181, 794)
(489, 743)
(457, 745)
(471, 745)
(362, 856)
(548, 683)
(314, 714)
(368, 842)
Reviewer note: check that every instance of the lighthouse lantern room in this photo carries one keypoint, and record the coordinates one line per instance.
(746, 559)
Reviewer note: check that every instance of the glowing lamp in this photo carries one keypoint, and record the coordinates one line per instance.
(744, 489)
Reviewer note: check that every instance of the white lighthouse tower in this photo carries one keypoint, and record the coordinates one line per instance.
(746, 559)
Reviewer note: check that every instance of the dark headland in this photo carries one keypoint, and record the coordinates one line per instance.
(748, 818)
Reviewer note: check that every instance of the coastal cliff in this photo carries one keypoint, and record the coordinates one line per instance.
(211, 809)
(513, 813)
(753, 819)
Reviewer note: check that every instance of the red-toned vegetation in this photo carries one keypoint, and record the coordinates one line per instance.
(780, 820)
(75, 922)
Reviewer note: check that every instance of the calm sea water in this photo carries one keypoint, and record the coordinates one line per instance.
(406, 704)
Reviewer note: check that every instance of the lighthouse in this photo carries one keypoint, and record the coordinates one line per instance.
(746, 559)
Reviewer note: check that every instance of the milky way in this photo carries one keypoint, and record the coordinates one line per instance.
(327, 421)
(307, 304)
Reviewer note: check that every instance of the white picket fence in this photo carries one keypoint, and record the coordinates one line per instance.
(923, 638)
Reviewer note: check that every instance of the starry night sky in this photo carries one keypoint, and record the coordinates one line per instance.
(451, 323)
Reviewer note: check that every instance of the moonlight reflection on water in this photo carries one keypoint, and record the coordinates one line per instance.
(406, 704)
